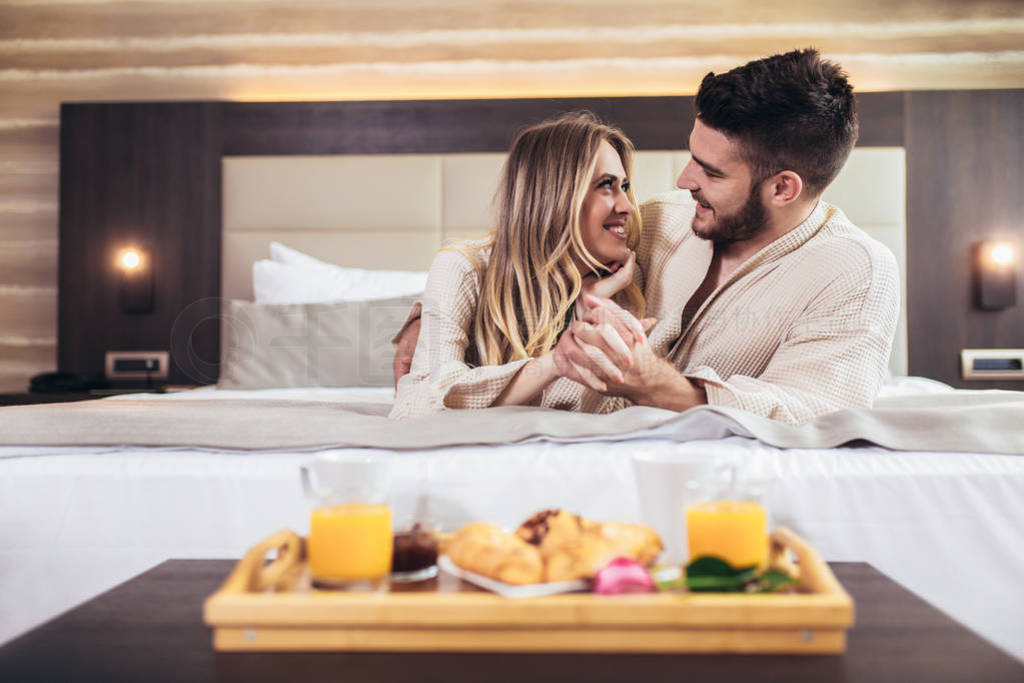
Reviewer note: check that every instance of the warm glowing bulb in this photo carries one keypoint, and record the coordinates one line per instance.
(130, 259)
(1001, 254)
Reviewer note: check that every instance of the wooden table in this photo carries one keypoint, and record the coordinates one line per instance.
(150, 629)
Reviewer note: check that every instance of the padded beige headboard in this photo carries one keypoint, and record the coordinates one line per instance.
(395, 211)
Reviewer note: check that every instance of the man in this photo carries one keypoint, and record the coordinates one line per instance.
(769, 299)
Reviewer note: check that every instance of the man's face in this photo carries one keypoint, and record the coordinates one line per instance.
(728, 208)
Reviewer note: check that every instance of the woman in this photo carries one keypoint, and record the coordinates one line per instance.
(494, 309)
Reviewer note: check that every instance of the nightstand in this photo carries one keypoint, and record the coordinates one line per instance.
(27, 398)
(30, 397)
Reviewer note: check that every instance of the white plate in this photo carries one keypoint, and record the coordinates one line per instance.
(508, 590)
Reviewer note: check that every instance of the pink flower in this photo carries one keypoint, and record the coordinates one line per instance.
(623, 575)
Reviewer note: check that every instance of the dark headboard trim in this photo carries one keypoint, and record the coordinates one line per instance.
(458, 126)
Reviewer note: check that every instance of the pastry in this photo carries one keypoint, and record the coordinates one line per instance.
(575, 547)
(486, 549)
(637, 541)
(580, 560)
(552, 530)
(552, 545)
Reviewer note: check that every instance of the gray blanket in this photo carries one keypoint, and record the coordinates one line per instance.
(967, 421)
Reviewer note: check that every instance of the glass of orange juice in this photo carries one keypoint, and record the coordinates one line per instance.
(350, 533)
(732, 530)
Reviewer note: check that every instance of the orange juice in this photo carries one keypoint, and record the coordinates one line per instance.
(734, 531)
(350, 542)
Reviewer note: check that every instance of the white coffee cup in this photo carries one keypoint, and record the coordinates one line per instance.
(668, 483)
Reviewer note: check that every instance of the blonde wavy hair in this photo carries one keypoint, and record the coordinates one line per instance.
(531, 281)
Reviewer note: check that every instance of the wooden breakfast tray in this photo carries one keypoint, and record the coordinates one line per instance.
(263, 607)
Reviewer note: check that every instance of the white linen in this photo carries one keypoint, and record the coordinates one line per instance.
(78, 521)
(381, 395)
(912, 386)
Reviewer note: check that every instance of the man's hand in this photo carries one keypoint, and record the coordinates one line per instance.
(404, 350)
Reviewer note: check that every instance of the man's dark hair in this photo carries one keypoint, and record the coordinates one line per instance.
(794, 111)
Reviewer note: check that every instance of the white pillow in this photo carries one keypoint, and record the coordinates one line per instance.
(294, 277)
(279, 283)
(334, 344)
(282, 254)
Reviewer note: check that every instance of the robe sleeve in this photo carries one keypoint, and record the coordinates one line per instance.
(440, 377)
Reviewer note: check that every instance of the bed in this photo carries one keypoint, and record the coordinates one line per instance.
(80, 519)
(122, 483)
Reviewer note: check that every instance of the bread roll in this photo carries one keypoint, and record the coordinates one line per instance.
(488, 550)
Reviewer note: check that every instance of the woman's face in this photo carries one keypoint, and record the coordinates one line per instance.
(606, 207)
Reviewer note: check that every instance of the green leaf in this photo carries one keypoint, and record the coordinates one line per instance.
(708, 573)
(772, 580)
(709, 565)
(722, 584)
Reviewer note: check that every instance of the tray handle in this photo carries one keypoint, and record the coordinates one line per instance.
(252, 574)
(813, 573)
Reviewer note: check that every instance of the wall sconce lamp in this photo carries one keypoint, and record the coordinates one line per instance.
(135, 287)
(995, 274)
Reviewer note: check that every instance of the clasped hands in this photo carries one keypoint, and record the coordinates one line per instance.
(608, 351)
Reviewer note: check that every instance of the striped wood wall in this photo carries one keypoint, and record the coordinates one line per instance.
(90, 50)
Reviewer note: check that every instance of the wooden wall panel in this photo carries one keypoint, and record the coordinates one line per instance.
(31, 223)
(20, 360)
(24, 263)
(140, 174)
(28, 250)
(31, 310)
(965, 170)
(276, 50)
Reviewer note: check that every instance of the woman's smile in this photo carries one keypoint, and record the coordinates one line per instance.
(606, 209)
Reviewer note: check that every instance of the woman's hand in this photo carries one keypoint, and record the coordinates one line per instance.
(600, 349)
(585, 349)
(605, 312)
(608, 286)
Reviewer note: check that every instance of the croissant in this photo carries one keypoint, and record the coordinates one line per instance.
(638, 541)
(581, 560)
(575, 547)
(488, 550)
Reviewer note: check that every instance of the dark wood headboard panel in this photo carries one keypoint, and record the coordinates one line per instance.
(965, 182)
(150, 173)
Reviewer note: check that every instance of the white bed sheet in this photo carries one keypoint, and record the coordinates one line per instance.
(78, 521)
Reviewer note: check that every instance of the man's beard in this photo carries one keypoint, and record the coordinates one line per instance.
(742, 225)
